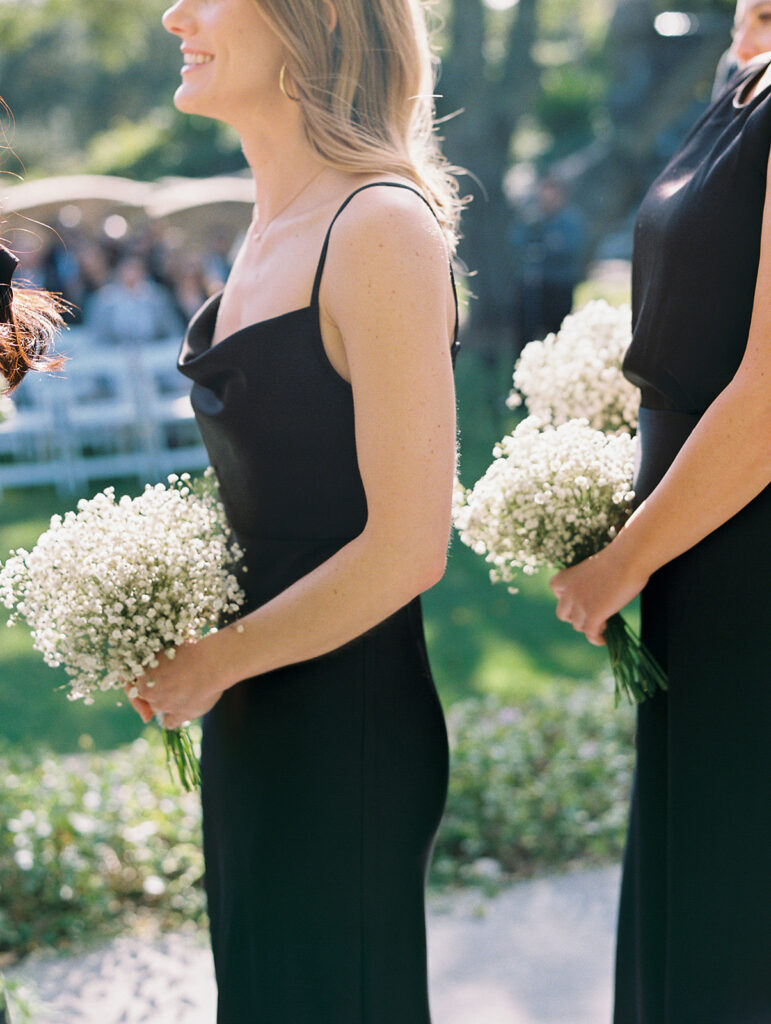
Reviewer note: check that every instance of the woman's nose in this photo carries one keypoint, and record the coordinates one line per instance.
(175, 18)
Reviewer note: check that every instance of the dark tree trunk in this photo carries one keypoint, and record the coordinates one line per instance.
(492, 99)
(659, 85)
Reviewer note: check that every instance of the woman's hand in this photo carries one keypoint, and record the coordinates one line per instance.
(180, 688)
(590, 592)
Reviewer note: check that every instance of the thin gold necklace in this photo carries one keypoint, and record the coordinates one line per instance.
(257, 235)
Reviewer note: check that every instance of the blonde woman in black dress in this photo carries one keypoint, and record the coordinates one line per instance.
(323, 386)
(694, 939)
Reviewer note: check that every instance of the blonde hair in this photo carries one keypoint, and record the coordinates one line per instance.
(366, 91)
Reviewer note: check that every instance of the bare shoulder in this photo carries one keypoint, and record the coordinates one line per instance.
(384, 227)
(387, 277)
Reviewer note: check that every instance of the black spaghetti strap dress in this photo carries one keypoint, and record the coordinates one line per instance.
(323, 782)
(694, 939)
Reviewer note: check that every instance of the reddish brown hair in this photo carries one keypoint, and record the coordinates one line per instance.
(27, 337)
(29, 318)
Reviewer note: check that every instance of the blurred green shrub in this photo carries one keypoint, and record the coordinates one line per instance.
(88, 842)
(14, 1006)
(536, 787)
(570, 97)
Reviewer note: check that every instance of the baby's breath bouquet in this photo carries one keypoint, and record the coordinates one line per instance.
(111, 587)
(576, 373)
(552, 497)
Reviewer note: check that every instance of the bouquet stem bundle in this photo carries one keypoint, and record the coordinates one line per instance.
(635, 670)
(181, 752)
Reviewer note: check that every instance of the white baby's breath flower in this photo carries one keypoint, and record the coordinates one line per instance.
(551, 497)
(576, 373)
(107, 588)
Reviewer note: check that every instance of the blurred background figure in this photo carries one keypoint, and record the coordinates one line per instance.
(549, 247)
(190, 285)
(132, 307)
(94, 272)
(217, 260)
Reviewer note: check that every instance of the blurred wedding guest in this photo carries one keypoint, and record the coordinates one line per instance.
(218, 259)
(94, 269)
(78, 268)
(150, 243)
(29, 320)
(189, 285)
(132, 308)
(549, 246)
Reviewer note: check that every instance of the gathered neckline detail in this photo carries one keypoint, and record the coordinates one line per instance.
(214, 303)
(253, 326)
(747, 84)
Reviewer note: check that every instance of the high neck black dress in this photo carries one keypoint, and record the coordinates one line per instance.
(694, 943)
(323, 782)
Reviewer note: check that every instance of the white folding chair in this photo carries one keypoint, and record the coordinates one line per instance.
(104, 416)
(166, 406)
(33, 445)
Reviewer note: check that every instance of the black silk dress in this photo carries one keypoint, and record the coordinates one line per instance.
(694, 941)
(324, 781)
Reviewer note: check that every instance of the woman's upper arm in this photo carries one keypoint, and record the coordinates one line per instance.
(387, 290)
(754, 374)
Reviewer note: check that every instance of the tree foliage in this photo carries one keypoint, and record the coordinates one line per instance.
(588, 86)
(115, 31)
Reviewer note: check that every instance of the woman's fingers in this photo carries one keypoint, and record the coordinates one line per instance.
(564, 610)
(140, 705)
(596, 635)
(142, 708)
(580, 620)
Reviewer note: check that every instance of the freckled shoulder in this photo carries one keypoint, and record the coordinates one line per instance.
(388, 230)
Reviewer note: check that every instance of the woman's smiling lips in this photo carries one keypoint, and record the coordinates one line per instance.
(195, 59)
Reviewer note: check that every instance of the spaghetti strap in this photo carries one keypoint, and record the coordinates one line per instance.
(325, 249)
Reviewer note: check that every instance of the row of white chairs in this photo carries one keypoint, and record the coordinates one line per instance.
(108, 413)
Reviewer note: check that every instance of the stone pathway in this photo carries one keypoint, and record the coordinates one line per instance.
(540, 952)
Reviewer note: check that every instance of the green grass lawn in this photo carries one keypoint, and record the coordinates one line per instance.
(481, 638)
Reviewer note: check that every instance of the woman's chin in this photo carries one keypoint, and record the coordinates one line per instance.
(187, 100)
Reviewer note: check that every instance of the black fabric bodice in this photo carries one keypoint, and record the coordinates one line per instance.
(696, 252)
(278, 423)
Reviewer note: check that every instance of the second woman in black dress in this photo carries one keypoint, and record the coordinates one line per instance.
(322, 382)
(694, 938)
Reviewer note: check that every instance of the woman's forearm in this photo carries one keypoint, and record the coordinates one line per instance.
(350, 593)
(725, 463)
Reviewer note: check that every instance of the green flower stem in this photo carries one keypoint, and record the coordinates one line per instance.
(635, 670)
(181, 752)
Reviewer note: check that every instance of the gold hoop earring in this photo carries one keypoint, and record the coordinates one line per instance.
(282, 85)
